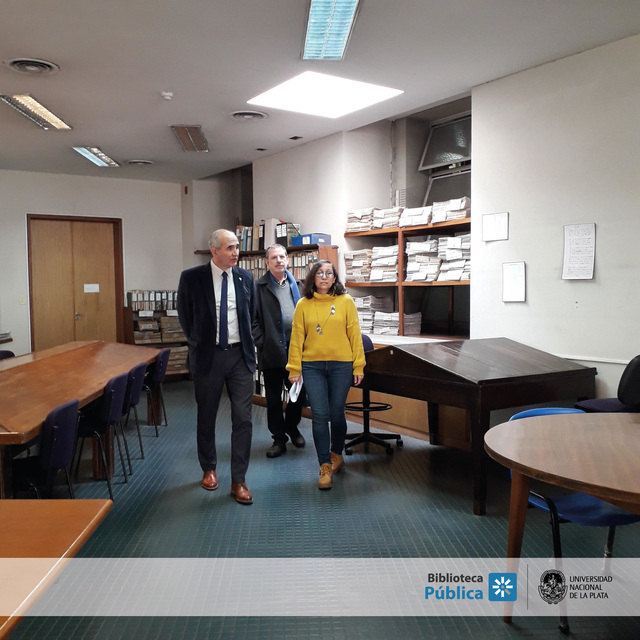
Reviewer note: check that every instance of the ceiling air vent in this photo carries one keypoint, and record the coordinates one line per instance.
(32, 66)
(140, 163)
(249, 115)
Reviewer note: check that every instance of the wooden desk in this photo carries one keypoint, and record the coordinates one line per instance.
(49, 529)
(595, 453)
(34, 384)
(479, 376)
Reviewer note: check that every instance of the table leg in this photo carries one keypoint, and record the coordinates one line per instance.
(520, 485)
(433, 415)
(479, 426)
(6, 490)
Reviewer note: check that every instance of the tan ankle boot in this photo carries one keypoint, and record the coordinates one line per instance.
(336, 462)
(325, 476)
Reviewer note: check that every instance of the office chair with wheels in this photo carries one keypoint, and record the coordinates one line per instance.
(366, 407)
(99, 417)
(628, 398)
(153, 386)
(5, 353)
(57, 443)
(579, 508)
(135, 382)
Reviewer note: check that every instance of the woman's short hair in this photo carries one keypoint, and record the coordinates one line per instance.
(309, 284)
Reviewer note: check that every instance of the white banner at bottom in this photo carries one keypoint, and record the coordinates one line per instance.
(319, 587)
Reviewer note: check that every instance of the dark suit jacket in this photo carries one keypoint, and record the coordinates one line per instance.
(197, 314)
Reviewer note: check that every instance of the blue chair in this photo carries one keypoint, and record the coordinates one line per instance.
(5, 353)
(628, 396)
(153, 386)
(57, 443)
(135, 383)
(366, 407)
(579, 508)
(96, 420)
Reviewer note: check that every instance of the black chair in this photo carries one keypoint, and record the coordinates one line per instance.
(628, 400)
(153, 386)
(57, 443)
(579, 508)
(99, 417)
(135, 382)
(366, 407)
(5, 353)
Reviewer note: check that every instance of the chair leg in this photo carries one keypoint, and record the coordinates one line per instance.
(164, 409)
(135, 415)
(151, 405)
(104, 463)
(79, 456)
(608, 549)
(117, 437)
(126, 445)
(66, 473)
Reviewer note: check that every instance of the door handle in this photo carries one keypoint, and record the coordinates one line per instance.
(79, 315)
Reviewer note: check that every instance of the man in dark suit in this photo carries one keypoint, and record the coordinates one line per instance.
(216, 308)
(276, 297)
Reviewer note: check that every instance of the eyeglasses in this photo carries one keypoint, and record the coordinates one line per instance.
(324, 274)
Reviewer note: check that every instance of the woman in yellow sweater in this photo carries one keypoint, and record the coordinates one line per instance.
(326, 350)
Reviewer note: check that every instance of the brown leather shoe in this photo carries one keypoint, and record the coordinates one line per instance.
(209, 480)
(240, 492)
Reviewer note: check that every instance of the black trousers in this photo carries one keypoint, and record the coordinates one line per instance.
(228, 368)
(281, 423)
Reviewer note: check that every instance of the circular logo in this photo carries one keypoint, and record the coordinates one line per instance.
(552, 587)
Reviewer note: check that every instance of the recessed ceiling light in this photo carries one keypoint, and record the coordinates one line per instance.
(30, 108)
(329, 27)
(190, 137)
(32, 66)
(319, 94)
(260, 149)
(295, 138)
(249, 115)
(97, 156)
(140, 163)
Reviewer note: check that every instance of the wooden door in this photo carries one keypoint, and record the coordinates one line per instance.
(75, 268)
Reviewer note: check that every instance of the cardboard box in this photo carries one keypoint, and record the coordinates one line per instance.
(312, 238)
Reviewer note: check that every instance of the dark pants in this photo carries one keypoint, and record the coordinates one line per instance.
(228, 368)
(281, 424)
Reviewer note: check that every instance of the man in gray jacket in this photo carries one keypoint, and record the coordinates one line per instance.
(276, 297)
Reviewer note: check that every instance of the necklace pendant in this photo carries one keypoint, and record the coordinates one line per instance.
(319, 329)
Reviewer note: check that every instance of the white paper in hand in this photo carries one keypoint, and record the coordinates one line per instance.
(294, 392)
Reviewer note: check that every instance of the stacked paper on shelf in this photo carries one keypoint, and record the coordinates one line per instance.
(357, 265)
(455, 252)
(384, 264)
(386, 218)
(423, 263)
(367, 306)
(455, 209)
(360, 219)
(389, 323)
(5, 335)
(415, 216)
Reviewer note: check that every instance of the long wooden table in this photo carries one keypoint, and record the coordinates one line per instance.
(52, 530)
(479, 376)
(34, 384)
(595, 453)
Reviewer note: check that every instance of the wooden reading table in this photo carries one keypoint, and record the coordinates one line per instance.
(52, 530)
(34, 384)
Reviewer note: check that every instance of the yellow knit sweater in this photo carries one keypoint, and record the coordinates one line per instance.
(340, 339)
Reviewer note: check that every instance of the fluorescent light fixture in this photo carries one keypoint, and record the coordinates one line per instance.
(32, 109)
(190, 136)
(319, 94)
(329, 26)
(97, 156)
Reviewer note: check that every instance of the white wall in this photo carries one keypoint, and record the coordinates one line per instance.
(150, 212)
(555, 145)
(317, 183)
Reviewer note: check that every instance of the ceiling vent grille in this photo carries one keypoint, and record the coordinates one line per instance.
(32, 66)
(249, 115)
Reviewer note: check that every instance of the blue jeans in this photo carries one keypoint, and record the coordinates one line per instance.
(327, 384)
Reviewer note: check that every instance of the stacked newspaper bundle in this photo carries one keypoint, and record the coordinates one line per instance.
(360, 219)
(455, 253)
(386, 218)
(367, 307)
(384, 264)
(414, 217)
(456, 209)
(389, 323)
(423, 263)
(357, 265)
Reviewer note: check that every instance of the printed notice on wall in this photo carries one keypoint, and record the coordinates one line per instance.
(579, 251)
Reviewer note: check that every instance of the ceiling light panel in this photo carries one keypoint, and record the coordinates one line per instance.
(97, 156)
(190, 136)
(329, 27)
(36, 112)
(319, 94)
